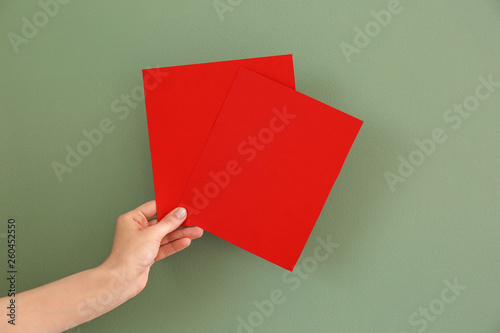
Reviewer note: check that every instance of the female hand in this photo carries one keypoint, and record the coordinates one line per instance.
(139, 242)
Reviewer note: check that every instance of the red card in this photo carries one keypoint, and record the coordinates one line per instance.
(267, 168)
(182, 103)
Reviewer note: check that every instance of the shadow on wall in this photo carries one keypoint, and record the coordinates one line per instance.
(359, 188)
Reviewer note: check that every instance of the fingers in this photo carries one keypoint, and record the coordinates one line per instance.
(173, 247)
(188, 232)
(169, 223)
(152, 222)
(148, 209)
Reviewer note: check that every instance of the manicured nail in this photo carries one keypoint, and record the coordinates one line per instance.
(180, 213)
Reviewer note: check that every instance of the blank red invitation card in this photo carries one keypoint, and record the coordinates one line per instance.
(182, 103)
(267, 167)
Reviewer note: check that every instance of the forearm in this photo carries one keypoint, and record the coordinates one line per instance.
(139, 241)
(69, 302)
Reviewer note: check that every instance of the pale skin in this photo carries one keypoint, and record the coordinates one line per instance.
(139, 242)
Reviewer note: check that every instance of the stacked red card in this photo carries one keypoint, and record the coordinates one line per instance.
(250, 158)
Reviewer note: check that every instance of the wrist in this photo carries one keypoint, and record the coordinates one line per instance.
(128, 278)
(118, 280)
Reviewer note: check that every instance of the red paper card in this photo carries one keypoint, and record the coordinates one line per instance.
(267, 168)
(182, 103)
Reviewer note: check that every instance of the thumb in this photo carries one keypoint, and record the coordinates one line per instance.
(169, 223)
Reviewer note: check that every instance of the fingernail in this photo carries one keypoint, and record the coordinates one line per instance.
(180, 213)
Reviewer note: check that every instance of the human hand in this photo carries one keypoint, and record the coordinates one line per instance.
(139, 242)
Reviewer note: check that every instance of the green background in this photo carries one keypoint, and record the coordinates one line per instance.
(396, 248)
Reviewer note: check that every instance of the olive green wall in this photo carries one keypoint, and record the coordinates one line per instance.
(414, 249)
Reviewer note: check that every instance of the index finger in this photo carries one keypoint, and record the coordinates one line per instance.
(148, 209)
